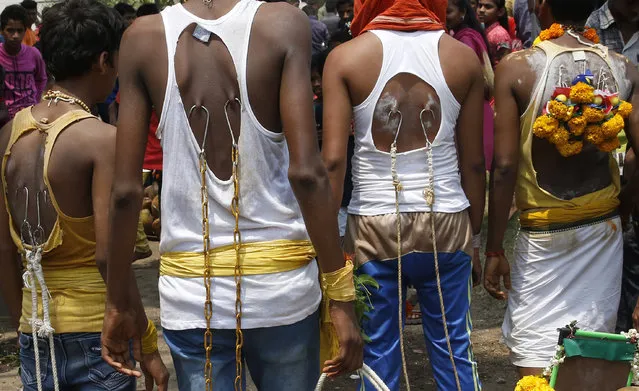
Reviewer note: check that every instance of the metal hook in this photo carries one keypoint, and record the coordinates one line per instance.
(228, 121)
(206, 127)
(25, 223)
(38, 233)
(399, 126)
(421, 121)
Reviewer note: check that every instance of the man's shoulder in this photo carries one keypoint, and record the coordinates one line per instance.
(145, 28)
(281, 18)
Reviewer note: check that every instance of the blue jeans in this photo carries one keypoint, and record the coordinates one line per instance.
(79, 362)
(283, 358)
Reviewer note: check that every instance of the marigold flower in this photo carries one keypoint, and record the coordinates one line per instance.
(613, 126)
(609, 145)
(559, 110)
(594, 134)
(533, 383)
(571, 148)
(545, 126)
(591, 35)
(593, 115)
(555, 31)
(560, 136)
(624, 109)
(577, 125)
(582, 93)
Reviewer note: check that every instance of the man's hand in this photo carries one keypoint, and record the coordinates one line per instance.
(476, 267)
(496, 269)
(351, 345)
(155, 372)
(120, 327)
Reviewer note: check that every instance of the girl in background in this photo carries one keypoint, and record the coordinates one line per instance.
(464, 26)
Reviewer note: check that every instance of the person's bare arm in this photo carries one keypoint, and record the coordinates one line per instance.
(125, 319)
(470, 141)
(503, 176)
(104, 151)
(10, 279)
(309, 180)
(337, 123)
(630, 194)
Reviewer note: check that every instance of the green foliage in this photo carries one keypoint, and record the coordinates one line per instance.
(363, 302)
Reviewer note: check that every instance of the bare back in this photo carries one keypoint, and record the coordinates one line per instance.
(70, 170)
(206, 74)
(589, 171)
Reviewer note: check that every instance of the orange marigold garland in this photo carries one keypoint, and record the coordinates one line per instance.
(581, 113)
(556, 30)
(591, 35)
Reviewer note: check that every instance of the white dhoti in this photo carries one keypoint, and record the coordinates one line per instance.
(559, 277)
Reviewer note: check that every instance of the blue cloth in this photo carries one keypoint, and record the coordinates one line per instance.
(80, 364)
(383, 354)
(279, 358)
(319, 35)
(527, 24)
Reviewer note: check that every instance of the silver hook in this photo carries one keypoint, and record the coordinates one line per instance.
(25, 223)
(39, 231)
(228, 121)
(421, 120)
(206, 127)
(399, 126)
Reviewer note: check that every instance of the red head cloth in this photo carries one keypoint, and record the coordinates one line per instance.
(399, 15)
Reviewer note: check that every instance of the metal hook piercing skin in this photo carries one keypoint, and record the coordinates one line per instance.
(421, 121)
(399, 126)
(25, 223)
(228, 121)
(39, 230)
(206, 127)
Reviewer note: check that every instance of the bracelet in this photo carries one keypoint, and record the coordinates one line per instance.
(339, 285)
(150, 339)
(477, 240)
(499, 253)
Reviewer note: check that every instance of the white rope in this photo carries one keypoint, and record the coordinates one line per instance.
(365, 373)
(400, 297)
(40, 327)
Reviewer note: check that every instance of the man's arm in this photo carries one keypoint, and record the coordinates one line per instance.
(10, 279)
(40, 75)
(470, 131)
(125, 318)
(310, 183)
(503, 176)
(337, 123)
(104, 152)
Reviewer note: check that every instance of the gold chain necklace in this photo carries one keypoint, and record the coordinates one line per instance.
(55, 96)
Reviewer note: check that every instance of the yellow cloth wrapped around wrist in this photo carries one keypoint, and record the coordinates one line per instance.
(339, 285)
(150, 339)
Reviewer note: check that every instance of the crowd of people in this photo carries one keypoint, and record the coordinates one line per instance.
(315, 160)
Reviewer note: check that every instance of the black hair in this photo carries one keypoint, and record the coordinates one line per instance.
(29, 4)
(571, 11)
(318, 60)
(503, 20)
(471, 21)
(341, 35)
(14, 12)
(343, 2)
(148, 9)
(75, 33)
(309, 10)
(124, 8)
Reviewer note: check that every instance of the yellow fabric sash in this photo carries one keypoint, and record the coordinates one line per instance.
(542, 218)
(256, 258)
(77, 300)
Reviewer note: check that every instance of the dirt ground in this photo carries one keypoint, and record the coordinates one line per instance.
(495, 371)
